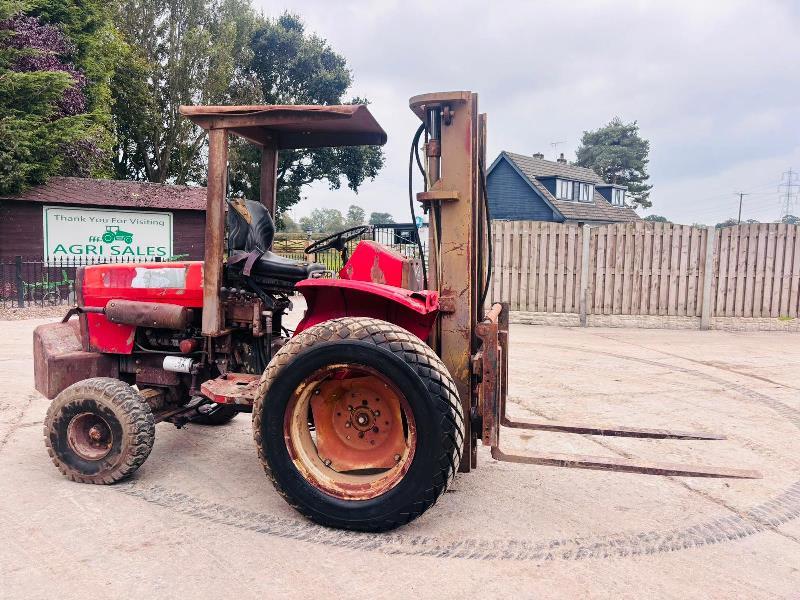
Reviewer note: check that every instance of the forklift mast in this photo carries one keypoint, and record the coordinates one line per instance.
(455, 153)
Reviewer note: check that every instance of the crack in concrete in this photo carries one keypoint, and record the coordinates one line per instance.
(16, 422)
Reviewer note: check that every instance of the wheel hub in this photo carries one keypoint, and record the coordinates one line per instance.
(358, 424)
(89, 436)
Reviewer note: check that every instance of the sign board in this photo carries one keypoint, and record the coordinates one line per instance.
(86, 234)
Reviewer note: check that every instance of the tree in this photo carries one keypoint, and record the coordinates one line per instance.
(355, 216)
(378, 218)
(619, 155)
(295, 67)
(288, 224)
(790, 220)
(323, 220)
(181, 52)
(731, 222)
(656, 219)
(45, 125)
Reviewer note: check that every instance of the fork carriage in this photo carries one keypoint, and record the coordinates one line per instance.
(363, 414)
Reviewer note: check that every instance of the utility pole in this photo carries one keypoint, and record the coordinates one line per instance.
(789, 180)
(741, 195)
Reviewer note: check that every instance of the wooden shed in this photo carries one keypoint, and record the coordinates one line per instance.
(69, 217)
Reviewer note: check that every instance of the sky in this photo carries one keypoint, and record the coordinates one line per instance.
(714, 87)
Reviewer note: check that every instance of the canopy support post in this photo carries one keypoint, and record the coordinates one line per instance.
(215, 230)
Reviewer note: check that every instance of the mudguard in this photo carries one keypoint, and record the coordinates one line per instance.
(333, 298)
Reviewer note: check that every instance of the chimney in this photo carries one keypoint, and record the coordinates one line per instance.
(538, 155)
(561, 159)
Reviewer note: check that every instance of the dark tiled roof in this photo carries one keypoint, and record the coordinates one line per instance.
(597, 210)
(539, 167)
(109, 192)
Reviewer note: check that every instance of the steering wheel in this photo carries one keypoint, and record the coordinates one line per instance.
(337, 241)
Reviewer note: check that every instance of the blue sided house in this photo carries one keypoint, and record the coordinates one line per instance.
(530, 188)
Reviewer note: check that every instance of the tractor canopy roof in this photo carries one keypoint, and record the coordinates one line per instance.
(293, 126)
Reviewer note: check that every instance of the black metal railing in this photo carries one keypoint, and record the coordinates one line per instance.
(398, 236)
(28, 281)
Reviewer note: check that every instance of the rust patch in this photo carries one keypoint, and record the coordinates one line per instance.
(358, 423)
(376, 273)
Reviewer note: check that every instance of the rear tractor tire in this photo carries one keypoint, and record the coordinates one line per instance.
(358, 424)
(99, 430)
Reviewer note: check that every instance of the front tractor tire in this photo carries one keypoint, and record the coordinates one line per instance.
(99, 430)
(358, 424)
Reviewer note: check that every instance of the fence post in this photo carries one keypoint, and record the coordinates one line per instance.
(20, 283)
(708, 278)
(584, 286)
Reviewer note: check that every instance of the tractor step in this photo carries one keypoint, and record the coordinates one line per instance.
(625, 465)
(609, 430)
(231, 388)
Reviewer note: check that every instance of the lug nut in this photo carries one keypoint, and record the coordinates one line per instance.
(327, 462)
(361, 434)
(377, 413)
(396, 458)
(347, 424)
(375, 430)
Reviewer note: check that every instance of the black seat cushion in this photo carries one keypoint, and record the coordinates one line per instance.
(244, 238)
(273, 266)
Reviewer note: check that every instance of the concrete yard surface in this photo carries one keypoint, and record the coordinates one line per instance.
(200, 520)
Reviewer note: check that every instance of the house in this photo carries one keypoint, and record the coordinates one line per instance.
(91, 219)
(530, 188)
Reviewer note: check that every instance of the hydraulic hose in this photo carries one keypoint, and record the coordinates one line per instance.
(415, 152)
(489, 249)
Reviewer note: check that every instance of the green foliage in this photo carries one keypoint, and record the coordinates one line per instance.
(619, 155)
(288, 224)
(323, 220)
(378, 218)
(294, 67)
(98, 47)
(181, 52)
(355, 216)
(656, 219)
(47, 124)
(731, 222)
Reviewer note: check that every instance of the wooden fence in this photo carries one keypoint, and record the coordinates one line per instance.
(648, 269)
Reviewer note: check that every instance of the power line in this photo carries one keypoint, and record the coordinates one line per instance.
(789, 180)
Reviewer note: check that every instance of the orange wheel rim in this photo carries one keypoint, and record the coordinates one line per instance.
(350, 432)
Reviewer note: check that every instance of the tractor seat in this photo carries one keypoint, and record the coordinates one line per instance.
(244, 238)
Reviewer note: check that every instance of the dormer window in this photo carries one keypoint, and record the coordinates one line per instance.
(618, 197)
(586, 192)
(564, 189)
(574, 190)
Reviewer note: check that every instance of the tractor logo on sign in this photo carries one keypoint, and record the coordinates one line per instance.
(113, 234)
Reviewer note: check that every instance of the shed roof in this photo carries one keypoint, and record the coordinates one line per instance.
(110, 192)
(293, 126)
(599, 209)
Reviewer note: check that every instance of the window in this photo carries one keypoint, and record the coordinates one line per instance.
(586, 192)
(618, 197)
(564, 189)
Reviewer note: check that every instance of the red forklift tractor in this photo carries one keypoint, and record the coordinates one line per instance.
(365, 412)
